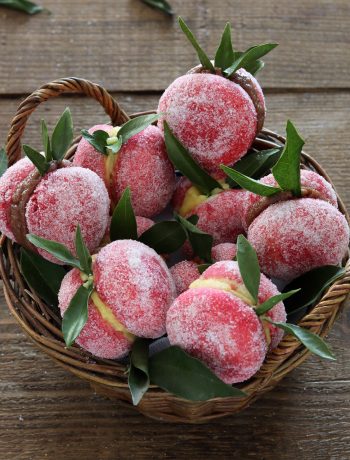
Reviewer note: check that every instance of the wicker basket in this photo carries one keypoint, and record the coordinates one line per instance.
(106, 377)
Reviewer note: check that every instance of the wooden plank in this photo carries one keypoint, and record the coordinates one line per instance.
(127, 46)
(48, 413)
(322, 118)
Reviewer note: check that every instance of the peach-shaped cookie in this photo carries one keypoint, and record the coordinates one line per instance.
(223, 251)
(221, 330)
(310, 181)
(184, 273)
(226, 275)
(213, 117)
(51, 206)
(141, 164)
(295, 236)
(219, 214)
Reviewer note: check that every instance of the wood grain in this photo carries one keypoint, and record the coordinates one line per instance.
(126, 46)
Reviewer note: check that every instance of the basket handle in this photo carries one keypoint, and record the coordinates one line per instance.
(70, 85)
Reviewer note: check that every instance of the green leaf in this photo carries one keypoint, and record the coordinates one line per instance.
(83, 252)
(46, 141)
(76, 315)
(272, 301)
(57, 250)
(287, 169)
(311, 341)
(164, 237)
(183, 161)
(249, 57)
(98, 140)
(123, 223)
(161, 5)
(43, 276)
(200, 242)
(138, 379)
(255, 66)
(22, 5)
(224, 55)
(37, 159)
(203, 58)
(179, 373)
(136, 125)
(248, 266)
(312, 285)
(250, 184)
(62, 135)
(3, 161)
(203, 267)
(256, 164)
(193, 219)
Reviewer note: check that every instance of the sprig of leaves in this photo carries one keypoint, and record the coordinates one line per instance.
(183, 161)
(54, 148)
(311, 341)
(161, 5)
(287, 170)
(228, 59)
(202, 56)
(101, 141)
(200, 241)
(248, 266)
(164, 237)
(272, 301)
(179, 373)
(123, 223)
(22, 5)
(138, 377)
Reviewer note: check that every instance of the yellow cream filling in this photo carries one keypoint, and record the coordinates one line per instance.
(106, 312)
(193, 198)
(223, 284)
(239, 291)
(111, 158)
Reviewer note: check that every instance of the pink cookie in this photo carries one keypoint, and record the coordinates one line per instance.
(221, 330)
(309, 180)
(98, 336)
(184, 273)
(219, 215)
(63, 199)
(223, 251)
(135, 283)
(229, 271)
(141, 164)
(295, 236)
(213, 117)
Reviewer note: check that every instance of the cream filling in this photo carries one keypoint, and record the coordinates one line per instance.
(111, 158)
(240, 291)
(193, 198)
(106, 313)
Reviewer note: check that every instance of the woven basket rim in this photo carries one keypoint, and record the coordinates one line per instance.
(107, 376)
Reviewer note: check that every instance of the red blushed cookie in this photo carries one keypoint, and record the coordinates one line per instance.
(184, 273)
(219, 215)
(223, 251)
(308, 179)
(141, 164)
(8, 184)
(63, 199)
(229, 271)
(212, 116)
(135, 283)
(221, 330)
(295, 236)
(97, 336)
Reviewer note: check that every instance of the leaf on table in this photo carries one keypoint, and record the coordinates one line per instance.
(22, 5)
(161, 5)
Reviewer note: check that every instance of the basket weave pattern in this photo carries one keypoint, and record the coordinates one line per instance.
(43, 324)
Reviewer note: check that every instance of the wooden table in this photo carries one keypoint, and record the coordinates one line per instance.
(135, 52)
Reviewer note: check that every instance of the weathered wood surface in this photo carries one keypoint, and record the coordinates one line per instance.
(135, 52)
(130, 47)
